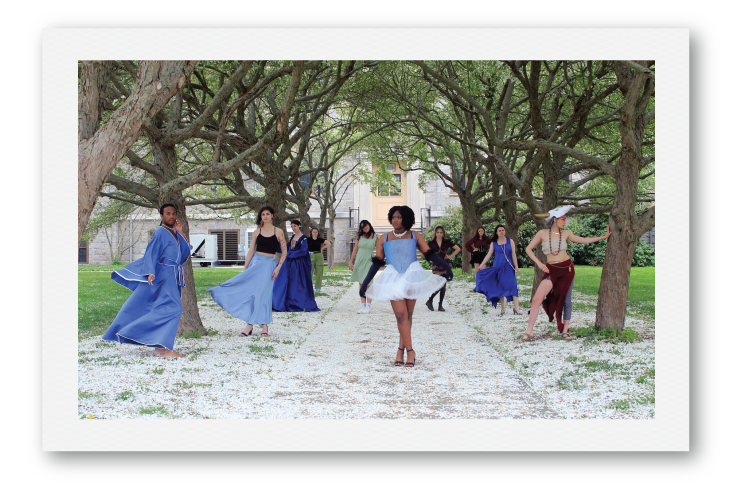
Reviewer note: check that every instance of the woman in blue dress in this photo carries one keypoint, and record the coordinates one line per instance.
(499, 282)
(248, 296)
(293, 288)
(404, 280)
(151, 315)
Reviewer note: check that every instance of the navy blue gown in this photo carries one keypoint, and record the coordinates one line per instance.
(293, 288)
(152, 313)
(500, 279)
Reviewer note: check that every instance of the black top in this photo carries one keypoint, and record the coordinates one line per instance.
(441, 250)
(314, 245)
(266, 244)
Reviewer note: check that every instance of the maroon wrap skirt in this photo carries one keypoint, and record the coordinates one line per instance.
(561, 274)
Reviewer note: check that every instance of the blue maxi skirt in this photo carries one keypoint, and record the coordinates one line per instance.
(248, 295)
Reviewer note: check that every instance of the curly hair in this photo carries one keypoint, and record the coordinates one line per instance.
(407, 215)
(494, 234)
(161, 208)
(258, 220)
(361, 231)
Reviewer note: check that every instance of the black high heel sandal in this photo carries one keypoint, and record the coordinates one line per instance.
(399, 363)
(410, 365)
(248, 334)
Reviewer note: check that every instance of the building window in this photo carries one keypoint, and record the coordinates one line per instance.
(304, 180)
(228, 242)
(83, 252)
(391, 190)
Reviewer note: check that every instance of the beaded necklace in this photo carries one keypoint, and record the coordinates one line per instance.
(559, 242)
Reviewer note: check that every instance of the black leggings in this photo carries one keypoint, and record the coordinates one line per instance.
(442, 295)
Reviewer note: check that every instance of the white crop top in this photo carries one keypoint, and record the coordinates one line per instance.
(547, 251)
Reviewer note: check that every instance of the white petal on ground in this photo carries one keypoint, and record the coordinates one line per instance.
(339, 364)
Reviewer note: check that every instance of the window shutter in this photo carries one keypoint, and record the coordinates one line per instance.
(83, 254)
(231, 241)
(227, 242)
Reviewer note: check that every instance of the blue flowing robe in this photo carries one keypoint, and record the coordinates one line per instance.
(293, 288)
(499, 280)
(152, 313)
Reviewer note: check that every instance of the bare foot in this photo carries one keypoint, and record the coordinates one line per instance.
(172, 354)
(158, 351)
(264, 332)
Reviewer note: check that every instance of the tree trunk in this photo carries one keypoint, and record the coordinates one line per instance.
(191, 320)
(101, 146)
(469, 225)
(274, 198)
(331, 236)
(612, 302)
(165, 159)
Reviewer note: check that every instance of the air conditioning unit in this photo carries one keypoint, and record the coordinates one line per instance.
(205, 250)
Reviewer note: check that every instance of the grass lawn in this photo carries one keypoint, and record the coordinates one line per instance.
(641, 295)
(100, 298)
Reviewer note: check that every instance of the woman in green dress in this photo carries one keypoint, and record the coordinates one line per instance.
(316, 245)
(359, 263)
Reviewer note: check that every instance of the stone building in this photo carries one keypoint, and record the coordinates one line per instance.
(355, 202)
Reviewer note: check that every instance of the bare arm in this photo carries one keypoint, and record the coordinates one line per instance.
(423, 246)
(530, 251)
(251, 248)
(354, 254)
(579, 239)
(513, 249)
(457, 250)
(282, 243)
(326, 244)
(486, 259)
(379, 252)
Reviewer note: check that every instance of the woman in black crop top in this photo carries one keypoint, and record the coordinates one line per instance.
(248, 296)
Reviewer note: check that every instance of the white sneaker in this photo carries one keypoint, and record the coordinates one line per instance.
(367, 309)
(361, 309)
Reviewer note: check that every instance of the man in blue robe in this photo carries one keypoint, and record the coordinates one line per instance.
(151, 315)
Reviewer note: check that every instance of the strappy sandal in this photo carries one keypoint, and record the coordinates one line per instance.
(516, 313)
(248, 334)
(529, 339)
(399, 363)
(410, 365)
(566, 336)
(264, 334)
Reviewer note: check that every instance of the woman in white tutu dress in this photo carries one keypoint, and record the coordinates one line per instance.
(404, 280)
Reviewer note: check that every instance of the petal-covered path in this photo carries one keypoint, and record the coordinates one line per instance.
(345, 370)
(336, 363)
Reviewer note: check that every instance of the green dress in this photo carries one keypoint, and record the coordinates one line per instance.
(363, 260)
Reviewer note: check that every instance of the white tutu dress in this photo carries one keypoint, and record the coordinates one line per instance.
(403, 277)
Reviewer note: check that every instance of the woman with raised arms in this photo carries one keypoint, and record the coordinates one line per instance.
(556, 289)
